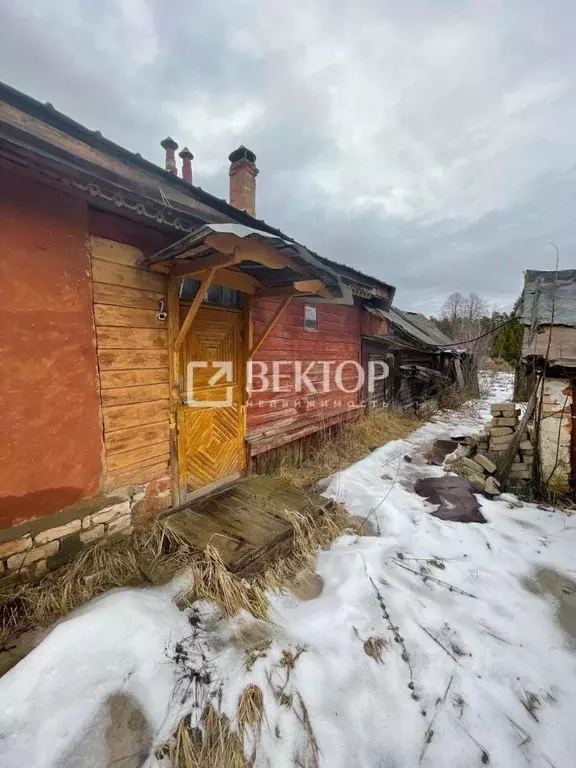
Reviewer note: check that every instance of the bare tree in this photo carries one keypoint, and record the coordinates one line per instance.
(465, 318)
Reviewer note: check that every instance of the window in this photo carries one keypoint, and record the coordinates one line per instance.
(310, 318)
(216, 294)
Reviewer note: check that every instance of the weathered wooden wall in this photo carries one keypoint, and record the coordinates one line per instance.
(371, 325)
(562, 343)
(133, 363)
(274, 418)
(50, 435)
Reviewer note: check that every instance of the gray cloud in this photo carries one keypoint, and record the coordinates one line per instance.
(430, 144)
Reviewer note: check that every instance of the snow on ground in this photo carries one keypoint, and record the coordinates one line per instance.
(475, 667)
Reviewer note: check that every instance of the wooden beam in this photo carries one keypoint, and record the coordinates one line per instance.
(275, 317)
(232, 279)
(186, 268)
(298, 288)
(174, 373)
(249, 249)
(194, 307)
(316, 287)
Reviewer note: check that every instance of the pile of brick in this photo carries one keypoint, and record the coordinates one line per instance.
(475, 465)
(480, 456)
(502, 430)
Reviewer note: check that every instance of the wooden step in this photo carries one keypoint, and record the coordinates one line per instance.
(245, 523)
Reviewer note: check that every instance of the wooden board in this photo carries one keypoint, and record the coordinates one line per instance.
(136, 437)
(133, 377)
(131, 338)
(137, 457)
(138, 475)
(126, 297)
(125, 416)
(119, 274)
(118, 253)
(127, 317)
(244, 522)
(132, 359)
(142, 394)
(132, 348)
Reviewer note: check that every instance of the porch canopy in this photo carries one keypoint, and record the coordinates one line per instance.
(248, 260)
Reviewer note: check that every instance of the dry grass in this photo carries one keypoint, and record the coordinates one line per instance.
(40, 603)
(95, 570)
(231, 593)
(374, 646)
(348, 445)
(156, 553)
(313, 749)
(212, 581)
(215, 745)
(250, 709)
(455, 398)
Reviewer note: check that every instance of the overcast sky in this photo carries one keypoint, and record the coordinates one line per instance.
(431, 144)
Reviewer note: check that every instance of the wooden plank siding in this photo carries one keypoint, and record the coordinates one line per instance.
(336, 339)
(132, 348)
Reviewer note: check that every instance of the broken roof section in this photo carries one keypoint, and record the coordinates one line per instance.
(421, 330)
(549, 297)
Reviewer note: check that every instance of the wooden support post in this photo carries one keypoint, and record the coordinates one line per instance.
(198, 299)
(174, 370)
(275, 317)
(247, 343)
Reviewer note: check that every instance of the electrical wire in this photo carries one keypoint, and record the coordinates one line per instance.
(469, 341)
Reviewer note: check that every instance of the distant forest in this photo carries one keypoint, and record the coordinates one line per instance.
(465, 318)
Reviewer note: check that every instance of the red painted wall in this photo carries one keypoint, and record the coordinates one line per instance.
(372, 325)
(337, 339)
(50, 430)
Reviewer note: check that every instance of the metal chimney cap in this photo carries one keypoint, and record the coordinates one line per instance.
(242, 153)
(168, 143)
(186, 154)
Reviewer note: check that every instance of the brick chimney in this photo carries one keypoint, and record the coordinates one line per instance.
(243, 174)
(187, 158)
(170, 146)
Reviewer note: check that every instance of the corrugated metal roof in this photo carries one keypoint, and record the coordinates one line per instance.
(549, 297)
(420, 328)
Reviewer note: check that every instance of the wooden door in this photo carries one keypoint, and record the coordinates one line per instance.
(211, 437)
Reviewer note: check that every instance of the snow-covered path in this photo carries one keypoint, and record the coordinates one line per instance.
(474, 664)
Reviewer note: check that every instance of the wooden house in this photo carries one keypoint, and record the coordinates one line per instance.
(422, 360)
(117, 277)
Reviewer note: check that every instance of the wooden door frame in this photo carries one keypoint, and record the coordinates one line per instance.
(175, 339)
(248, 348)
